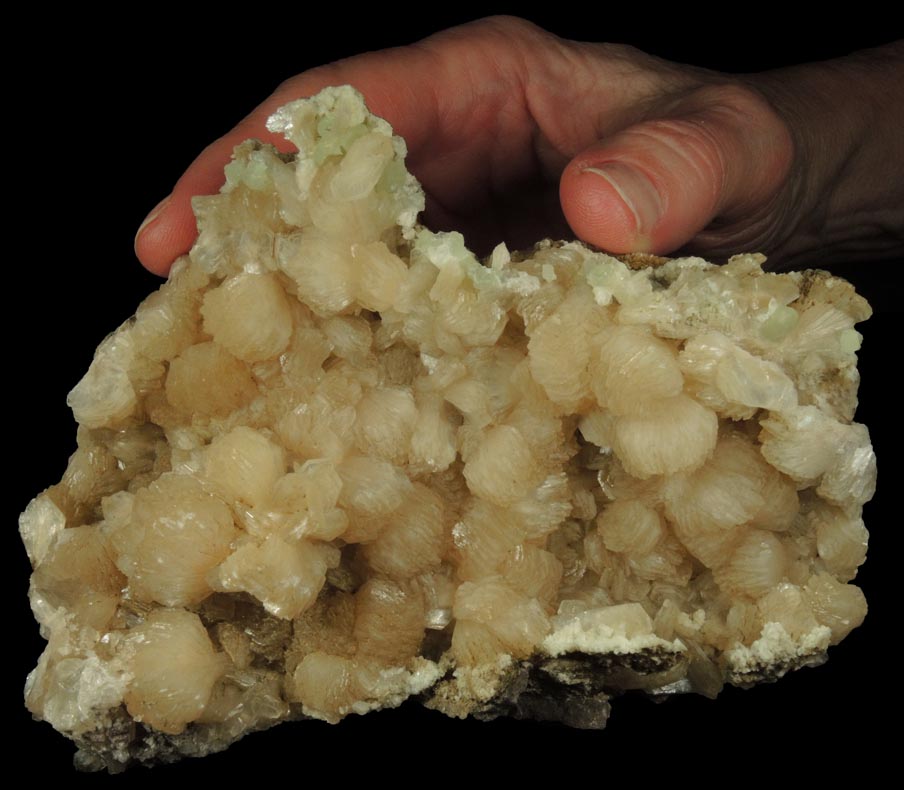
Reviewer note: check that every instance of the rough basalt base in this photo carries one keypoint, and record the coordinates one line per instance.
(336, 463)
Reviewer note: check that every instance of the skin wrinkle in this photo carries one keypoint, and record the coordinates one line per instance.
(658, 81)
(774, 219)
(709, 168)
(478, 97)
(539, 95)
(683, 152)
(565, 131)
(554, 148)
(755, 227)
(510, 119)
(532, 81)
(737, 107)
(542, 169)
(614, 113)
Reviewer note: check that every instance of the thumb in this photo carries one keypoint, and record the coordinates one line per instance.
(652, 187)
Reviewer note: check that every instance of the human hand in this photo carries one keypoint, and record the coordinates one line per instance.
(513, 132)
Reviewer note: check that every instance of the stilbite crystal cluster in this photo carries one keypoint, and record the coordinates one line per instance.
(336, 462)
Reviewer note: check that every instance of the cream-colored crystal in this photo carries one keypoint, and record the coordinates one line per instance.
(175, 533)
(249, 315)
(336, 461)
(173, 668)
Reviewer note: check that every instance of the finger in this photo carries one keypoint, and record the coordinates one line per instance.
(654, 186)
(170, 229)
(452, 97)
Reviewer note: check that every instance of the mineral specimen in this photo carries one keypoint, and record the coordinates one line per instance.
(337, 462)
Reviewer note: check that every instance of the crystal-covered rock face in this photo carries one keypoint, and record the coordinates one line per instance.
(337, 462)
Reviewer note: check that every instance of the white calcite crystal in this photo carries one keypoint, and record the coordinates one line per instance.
(336, 462)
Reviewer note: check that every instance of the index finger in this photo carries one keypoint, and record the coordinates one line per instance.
(436, 95)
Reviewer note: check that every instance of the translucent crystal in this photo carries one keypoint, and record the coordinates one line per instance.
(337, 462)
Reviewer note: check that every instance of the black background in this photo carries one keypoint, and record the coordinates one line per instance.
(105, 136)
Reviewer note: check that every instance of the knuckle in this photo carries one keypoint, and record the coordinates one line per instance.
(738, 99)
(509, 25)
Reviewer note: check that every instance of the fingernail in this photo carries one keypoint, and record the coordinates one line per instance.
(155, 212)
(636, 190)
